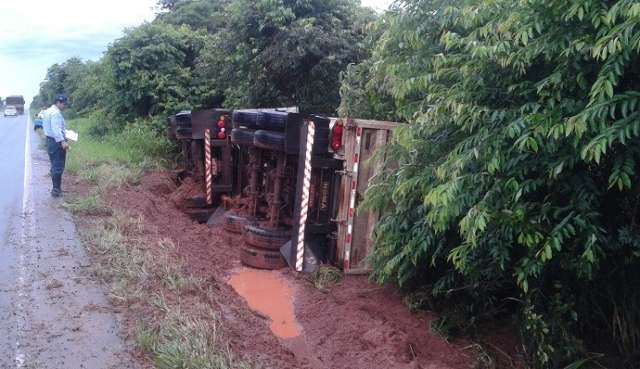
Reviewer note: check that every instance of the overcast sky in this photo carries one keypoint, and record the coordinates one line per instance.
(35, 34)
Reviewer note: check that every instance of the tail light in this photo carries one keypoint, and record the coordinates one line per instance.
(221, 128)
(336, 135)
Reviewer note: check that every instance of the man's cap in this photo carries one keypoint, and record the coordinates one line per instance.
(61, 98)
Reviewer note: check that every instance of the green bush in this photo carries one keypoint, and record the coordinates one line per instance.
(516, 188)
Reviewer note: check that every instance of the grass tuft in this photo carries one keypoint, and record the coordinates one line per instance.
(326, 277)
(188, 341)
(91, 204)
(111, 176)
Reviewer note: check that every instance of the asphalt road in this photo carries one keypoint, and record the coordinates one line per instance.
(53, 314)
(12, 154)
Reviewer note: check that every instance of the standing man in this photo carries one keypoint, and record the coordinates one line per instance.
(53, 125)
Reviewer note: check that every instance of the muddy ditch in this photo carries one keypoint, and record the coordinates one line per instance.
(278, 319)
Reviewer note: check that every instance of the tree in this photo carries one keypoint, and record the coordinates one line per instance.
(516, 182)
(62, 78)
(276, 53)
(150, 69)
(197, 14)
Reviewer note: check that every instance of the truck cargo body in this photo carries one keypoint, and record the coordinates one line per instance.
(17, 101)
(293, 178)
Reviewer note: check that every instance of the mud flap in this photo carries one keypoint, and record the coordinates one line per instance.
(285, 250)
(217, 218)
(312, 260)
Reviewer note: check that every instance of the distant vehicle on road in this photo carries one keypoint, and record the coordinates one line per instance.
(10, 111)
(17, 101)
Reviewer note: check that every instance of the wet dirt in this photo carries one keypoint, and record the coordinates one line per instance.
(356, 325)
(188, 189)
(272, 296)
(269, 294)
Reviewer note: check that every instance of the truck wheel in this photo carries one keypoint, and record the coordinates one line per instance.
(235, 223)
(242, 136)
(184, 132)
(273, 121)
(199, 215)
(321, 141)
(183, 119)
(269, 239)
(246, 119)
(269, 140)
(262, 259)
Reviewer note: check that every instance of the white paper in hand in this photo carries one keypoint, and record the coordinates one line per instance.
(71, 135)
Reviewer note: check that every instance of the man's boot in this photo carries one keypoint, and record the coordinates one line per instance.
(57, 183)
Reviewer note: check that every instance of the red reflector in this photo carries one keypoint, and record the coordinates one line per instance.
(221, 122)
(336, 135)
(348, 238)
(221, 135)
(351, 213)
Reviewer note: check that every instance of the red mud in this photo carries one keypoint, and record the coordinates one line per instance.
(188, 189)
(357, 325)
(271, 295)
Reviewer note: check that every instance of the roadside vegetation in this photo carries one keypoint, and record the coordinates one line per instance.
(515, 192)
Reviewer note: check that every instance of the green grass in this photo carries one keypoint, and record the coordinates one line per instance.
(184, 341)
(136, 148)
(91, 204)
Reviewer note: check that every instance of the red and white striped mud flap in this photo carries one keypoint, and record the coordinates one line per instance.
(304, 206)
(208, 180)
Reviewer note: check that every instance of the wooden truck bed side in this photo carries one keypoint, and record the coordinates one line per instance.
(361, 138)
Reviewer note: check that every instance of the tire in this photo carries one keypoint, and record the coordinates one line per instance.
(273, 121)
(242, 136)
(321, 141)
(235, 223)
(261, 259)
(199, 215)
(182, 132)
(266, 238)
(195, 202)
(246, 119)
(269, 140)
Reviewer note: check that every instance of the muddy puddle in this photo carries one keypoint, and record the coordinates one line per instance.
(271, 296)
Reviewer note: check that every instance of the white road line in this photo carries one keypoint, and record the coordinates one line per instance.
(27, 164)
(26, 224)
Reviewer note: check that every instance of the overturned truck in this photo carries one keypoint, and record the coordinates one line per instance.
(289, 184)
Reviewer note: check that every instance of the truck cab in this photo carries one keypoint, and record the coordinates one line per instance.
(10, 111)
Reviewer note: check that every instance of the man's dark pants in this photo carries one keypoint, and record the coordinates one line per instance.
(57, 156)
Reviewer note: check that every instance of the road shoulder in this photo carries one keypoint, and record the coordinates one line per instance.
(62, 316)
